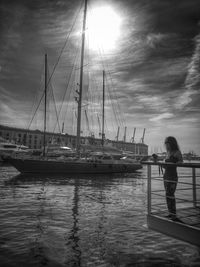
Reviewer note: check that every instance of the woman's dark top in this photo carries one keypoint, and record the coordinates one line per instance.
(170, 171)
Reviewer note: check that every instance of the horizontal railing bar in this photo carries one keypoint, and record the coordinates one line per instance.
(160, 190)
(182, 189)
(159, 204)
(184, 165)
(185, 209)
(177, 198)
(159, 212)
(182, 200)
(187, 183)
(155, 194)
(180, 177)
(164, 195)
(163, 210)
(198, 185)
(164, 204)
(178, 189)
(179, 182)
(185, 200)
(162, 213)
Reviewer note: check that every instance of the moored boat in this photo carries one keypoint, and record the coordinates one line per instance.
(8, 148)
(105, 163)
(69, 165)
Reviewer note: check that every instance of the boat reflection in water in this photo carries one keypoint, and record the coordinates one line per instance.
(74, 233)
(68, 215)
(81, 220)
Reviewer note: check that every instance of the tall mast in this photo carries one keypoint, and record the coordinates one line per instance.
(81, 82)
(142, 139)
(63, 125)
(117, 137)
(45, 105)
(133, 138)
(103, 117)
(99, 125)
(87, 121)
(125, 133)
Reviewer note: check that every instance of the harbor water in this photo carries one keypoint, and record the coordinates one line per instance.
(82, 221)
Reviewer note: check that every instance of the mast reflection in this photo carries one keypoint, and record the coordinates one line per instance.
(74, 233)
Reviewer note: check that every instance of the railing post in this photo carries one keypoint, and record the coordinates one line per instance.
(194, 187)
(149, 189)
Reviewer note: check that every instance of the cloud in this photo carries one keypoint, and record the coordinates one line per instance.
(185, 99)
(155, 40)
(162, 116)
(154, 70)
(192, 81)
(10, 115)
(155, 103)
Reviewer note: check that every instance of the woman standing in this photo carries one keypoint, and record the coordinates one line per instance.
(170, 175)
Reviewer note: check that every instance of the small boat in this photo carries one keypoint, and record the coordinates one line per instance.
(9, 148)
(76, 164)
(56, 150)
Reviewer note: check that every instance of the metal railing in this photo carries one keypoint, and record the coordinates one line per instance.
(187, 193)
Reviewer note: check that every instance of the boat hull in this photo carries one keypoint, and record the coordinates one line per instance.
(59, 167)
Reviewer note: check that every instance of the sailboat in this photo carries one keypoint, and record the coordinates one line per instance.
(95, 163)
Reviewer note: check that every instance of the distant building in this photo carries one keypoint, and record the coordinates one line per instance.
(136, 148)
(34, 140)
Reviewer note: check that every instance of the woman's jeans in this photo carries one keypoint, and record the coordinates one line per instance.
(170, 188)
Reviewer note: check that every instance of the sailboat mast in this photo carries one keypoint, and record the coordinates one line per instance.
(117, 137)
(81, 82)
(133, 138)
(45, 106)
(103, 117)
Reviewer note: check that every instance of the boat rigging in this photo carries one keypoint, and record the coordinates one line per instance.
(104, 162)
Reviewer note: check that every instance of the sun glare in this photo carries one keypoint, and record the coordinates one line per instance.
(103, 26)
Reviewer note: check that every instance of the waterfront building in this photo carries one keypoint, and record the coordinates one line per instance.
(34, 140)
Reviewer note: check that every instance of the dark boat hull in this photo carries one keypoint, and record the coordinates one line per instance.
(59, 167)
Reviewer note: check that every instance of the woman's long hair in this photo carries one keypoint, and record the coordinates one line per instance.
(173, 144)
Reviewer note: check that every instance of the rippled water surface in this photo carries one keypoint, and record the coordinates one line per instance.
(82, 221)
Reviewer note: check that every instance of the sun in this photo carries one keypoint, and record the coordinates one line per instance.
(103, 28)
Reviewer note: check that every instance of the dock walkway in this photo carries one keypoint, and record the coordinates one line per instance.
(187, 203)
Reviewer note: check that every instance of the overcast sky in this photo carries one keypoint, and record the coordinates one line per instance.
(152, 68)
